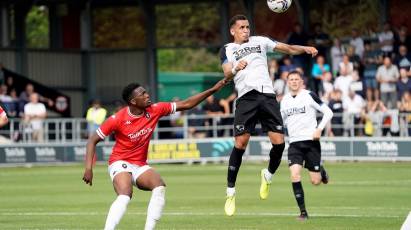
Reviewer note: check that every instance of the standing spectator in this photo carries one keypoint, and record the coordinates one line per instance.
(10, 84)
(372, 59)
(405, 107)
(346, 66)
(24, 96)
(317, 72)
(216, 107)
(298, 37)
(403, 84)
(353, 106)
(403, 58)
(336, 105)
(402, 38)
(287, 65)
(357, 42)
(337, 52)
(372, 116)
(321, 40)
(195, 124)
(34, 115)
(355, 59)
(343, 82)
(387, 76)
(280, 86)
(274, 69)
(327, 86)
(95, 116)
(386, 39)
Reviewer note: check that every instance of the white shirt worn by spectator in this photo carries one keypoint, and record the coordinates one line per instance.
(386, 36)
(343, 83)
(358, 43)
(255, 76)
(280, 87)
(336, 57)
(388, 74)
(353, 105)
(299, 114)
(37, 109)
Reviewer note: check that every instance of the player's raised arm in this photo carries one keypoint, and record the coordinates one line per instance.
(230, 71)
(90, 151)
(295, 49)
(196, 99)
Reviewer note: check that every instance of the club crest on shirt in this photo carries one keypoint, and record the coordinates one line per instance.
(127, 123)
(294, 111)
(147, 115)
(239, 128)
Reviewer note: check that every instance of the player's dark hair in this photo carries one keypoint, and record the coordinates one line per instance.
(295, 72)
(236, 18)
(128, 92)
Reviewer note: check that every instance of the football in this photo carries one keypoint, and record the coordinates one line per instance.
(279, 6)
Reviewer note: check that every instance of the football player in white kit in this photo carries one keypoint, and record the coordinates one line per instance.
(245, 61)
(298, 109)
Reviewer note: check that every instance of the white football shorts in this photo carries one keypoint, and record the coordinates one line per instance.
(123, 166)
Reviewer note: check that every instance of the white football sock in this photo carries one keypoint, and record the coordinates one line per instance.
(117, 210)
(230, 191)
(155, 207)
(268, 175)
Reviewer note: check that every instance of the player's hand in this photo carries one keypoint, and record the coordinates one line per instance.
(311, 50)
(317, 134)
(241, 65)
(220, 84)
(88, 176)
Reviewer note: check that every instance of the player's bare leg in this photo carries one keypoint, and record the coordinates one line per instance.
(295, 171)
(234, 164)
(151, 180)
(276, 152)
(315, 178)
(124, 189)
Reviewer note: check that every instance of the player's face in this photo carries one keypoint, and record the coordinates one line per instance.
(240, 31)
(141, 98)
(295, 82)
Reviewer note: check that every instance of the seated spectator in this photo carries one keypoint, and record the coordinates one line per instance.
(373, 115)
(24, 97)
(194, 123)
(387, 76)
(337, 52)
(403, 58)
(327, 86)
(8, 101)
(10, 84)
(346, 65)
(372, 59)
(403, 84)
(386, 39)
(354, 59)
(357, 42)
(287, 65)
(343, 82)
(319, 68)
(95, 116)
(402, 38)
(353, 106)
(216, 107)
(274, 69)
(336, 105)
(34, 115)
(405, 107)
(280, 85)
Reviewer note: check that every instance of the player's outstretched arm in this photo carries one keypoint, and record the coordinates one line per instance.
(196, 99)
(90, 151)
(295, 49)
(3, 120)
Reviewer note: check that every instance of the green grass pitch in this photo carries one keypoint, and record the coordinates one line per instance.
(359, 196)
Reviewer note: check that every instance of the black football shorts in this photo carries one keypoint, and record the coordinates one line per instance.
(305, 151)
(255, 107)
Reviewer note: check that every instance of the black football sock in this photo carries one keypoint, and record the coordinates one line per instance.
(234, 166)
(299, 195)
(276, 153)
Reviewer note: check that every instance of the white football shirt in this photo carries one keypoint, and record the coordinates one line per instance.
(299, 115)
(255, 75)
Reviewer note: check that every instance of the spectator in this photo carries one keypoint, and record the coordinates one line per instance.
(194, 123)
(372, 59)
(321, 40)
(327, 86)
(372, 115)
(287, 65)
(336, 105)
(34, 115)
(354, 59)
(298, 37)
(403, 58)
(403, 84)
(280, 86)
(317, 72)
(386, 39)
(405, 107)
(387, 76)
(95, 116)
(10, 84)
(357, 42)
(216, 107)
(24, 97)
(346, 66)
(337, 53)
(7, 101)
(402, 38)
(353, 106)
(343, 82)
(274, 69)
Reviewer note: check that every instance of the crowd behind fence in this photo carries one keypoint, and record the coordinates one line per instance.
(69, 130)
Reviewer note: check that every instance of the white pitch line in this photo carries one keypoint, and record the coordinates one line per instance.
(194, 214)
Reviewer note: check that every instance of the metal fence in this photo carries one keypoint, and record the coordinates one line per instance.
(69, 130)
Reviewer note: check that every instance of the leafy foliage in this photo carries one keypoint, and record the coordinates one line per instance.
(188, 60)
(37, 27)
